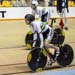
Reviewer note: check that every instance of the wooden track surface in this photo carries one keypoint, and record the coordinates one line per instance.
(13, 53)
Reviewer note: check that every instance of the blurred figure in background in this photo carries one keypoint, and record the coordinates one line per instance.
(53, 20)
(40, 13)
(62, 9)
(1, 1)
(73, 2)
(46, 3)
(51, 2)
(36, 11)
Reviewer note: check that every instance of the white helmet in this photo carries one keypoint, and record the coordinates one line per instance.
(35, 3)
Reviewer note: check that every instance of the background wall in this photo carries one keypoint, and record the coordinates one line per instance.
(20, 12)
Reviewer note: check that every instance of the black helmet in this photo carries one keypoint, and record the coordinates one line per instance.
(30, 17)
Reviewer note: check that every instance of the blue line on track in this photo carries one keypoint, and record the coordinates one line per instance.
(65, 72)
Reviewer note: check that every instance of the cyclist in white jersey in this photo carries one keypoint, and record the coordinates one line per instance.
(45, 33)
(43, 14)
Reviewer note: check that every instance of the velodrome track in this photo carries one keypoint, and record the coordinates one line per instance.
(13, 53)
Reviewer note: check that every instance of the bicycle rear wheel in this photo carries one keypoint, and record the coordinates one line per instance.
(66, 55)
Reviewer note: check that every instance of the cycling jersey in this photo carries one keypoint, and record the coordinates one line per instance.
(38, 13)
(38, 27)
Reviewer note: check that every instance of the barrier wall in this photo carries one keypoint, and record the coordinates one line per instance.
(14, 12)
(20, 12)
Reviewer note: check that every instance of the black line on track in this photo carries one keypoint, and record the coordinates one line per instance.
(13, 47)
(12, 64)
(17, 73)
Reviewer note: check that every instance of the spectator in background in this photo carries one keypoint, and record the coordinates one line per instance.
(36, 11)
(53, 20)
(62, 9)
(40, 13)
(1, 1)
(46, 2)
(51, 2)
(73, 2)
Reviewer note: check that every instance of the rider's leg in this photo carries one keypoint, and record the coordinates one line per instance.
(56, 53)
(53, 57)
(48, 45)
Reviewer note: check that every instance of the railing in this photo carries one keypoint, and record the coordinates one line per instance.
(24, 3)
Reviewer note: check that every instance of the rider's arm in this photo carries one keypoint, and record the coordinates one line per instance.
(33, 12)
(41, 40)
(34, 39)
(37, 29)
(40, 12)
(33, 28)
(40, 35)
(49, 15)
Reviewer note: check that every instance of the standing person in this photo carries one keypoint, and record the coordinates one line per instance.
(53, 20)
(1, 1)
(43, 14)
(36, 11)
(46, 2)
(45, 33)
(73, 2)
(51, 2)
(62, 9)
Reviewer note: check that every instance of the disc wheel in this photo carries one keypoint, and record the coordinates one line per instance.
(29, 40)
(37, 59)
(66, 55)
(59, 37)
